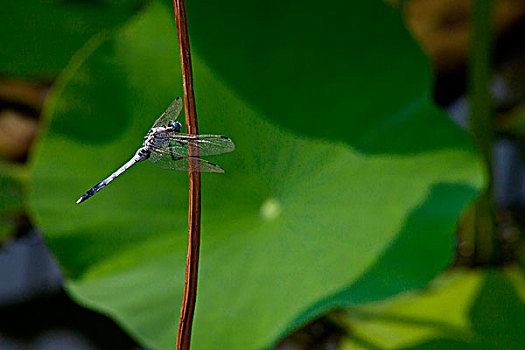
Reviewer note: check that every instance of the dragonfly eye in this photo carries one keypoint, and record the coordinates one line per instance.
(175, 125)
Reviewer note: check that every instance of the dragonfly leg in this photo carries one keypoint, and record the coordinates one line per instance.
(171, 153)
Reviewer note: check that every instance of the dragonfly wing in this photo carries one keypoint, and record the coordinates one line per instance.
(206, 144)
(172, 113)
(170, 160)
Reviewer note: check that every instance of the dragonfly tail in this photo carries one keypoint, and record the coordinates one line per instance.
(98, 187)
(84, 197)
(137, 158)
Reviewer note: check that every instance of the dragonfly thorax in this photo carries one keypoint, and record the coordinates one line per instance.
(159, 136)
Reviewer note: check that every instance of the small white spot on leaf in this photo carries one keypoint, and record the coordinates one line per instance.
(270, 209)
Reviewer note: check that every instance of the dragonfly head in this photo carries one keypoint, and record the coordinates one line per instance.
(175, 125)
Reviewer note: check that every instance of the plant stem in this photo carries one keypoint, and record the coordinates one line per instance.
(194, 216)
(481, 127)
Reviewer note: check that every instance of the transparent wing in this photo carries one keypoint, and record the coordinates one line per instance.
(168, 160)
(206, 144)
(171, 113)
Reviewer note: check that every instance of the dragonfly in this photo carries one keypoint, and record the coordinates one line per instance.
(166, 147)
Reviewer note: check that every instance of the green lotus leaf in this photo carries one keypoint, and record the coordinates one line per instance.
(293, 222)
(482, 309)
(38, 37)
(348, 70)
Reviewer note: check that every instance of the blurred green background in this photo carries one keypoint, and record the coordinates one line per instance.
(374, 201)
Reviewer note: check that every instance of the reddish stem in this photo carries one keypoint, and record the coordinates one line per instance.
(194, 217)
